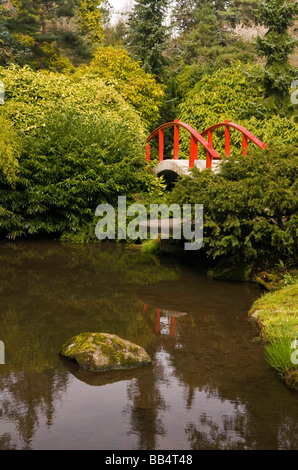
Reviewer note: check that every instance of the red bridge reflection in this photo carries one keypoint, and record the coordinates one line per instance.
(169, 315)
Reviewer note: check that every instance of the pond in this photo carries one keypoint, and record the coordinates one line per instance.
(209, 386)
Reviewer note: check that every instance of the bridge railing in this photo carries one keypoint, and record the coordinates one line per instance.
(246, 135)
(196, 138)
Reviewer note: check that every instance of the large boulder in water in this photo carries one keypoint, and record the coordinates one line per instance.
(99, 352)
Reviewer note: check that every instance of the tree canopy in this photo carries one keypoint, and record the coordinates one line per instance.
(147, 34)
(82, 94)
(277, 45)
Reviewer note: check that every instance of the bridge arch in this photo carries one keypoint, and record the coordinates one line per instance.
(246, 136)
(195, 139)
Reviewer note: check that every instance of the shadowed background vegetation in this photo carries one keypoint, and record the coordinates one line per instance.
(82, 93)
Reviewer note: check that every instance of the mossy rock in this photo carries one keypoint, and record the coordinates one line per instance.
(268, 280)
(100, 352)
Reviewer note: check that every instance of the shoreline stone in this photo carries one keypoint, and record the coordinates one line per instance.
(99, 352)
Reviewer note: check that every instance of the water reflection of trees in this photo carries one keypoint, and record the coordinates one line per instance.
(234, 375)
(145, 411)
(25, 398)
(50, 292)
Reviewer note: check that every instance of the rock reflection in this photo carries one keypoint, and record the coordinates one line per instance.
(97, 379)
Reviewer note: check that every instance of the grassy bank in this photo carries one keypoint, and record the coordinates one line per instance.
(276, 316)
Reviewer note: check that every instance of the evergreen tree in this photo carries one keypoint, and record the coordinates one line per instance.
(11, 50)
(205, 32)
(183, 14)
(147, 34)
(27, 24)
(243, 11)
(205, 35)
(89, 15)
(47, 34)
(277, 45)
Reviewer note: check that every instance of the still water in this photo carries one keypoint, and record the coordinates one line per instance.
(209, 386)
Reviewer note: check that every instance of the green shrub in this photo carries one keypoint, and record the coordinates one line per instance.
(30, 96)
(83, 145)
(10, 150)
(68, 167)
(236, 94)
(250, 208)
(138, 88)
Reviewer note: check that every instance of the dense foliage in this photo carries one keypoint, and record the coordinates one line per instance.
(82, 144)
(138, 88)
(235, 93)
(250, 208)
(147, 34)
(47, 34)
(277, 45)
(79, 104)
(9, 151)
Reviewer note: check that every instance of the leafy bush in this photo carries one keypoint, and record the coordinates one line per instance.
(234, 93)
(135, 85)
(229, 93)
(30, 96)
(250, 207)
(54, 60)
(68, 167)
(83, 145)
(9, 151)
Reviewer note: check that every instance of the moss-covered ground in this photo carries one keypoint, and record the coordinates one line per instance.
(276, 314)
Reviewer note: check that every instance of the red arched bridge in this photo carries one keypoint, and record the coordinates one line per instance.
(182, 166)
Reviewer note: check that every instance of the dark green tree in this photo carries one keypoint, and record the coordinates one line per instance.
(243, 11)
(183, 14)
(11, 50)
(205, 29)
(250, 209)
(277, 45)
(43, 34)
(147, 34)
(205, 35)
